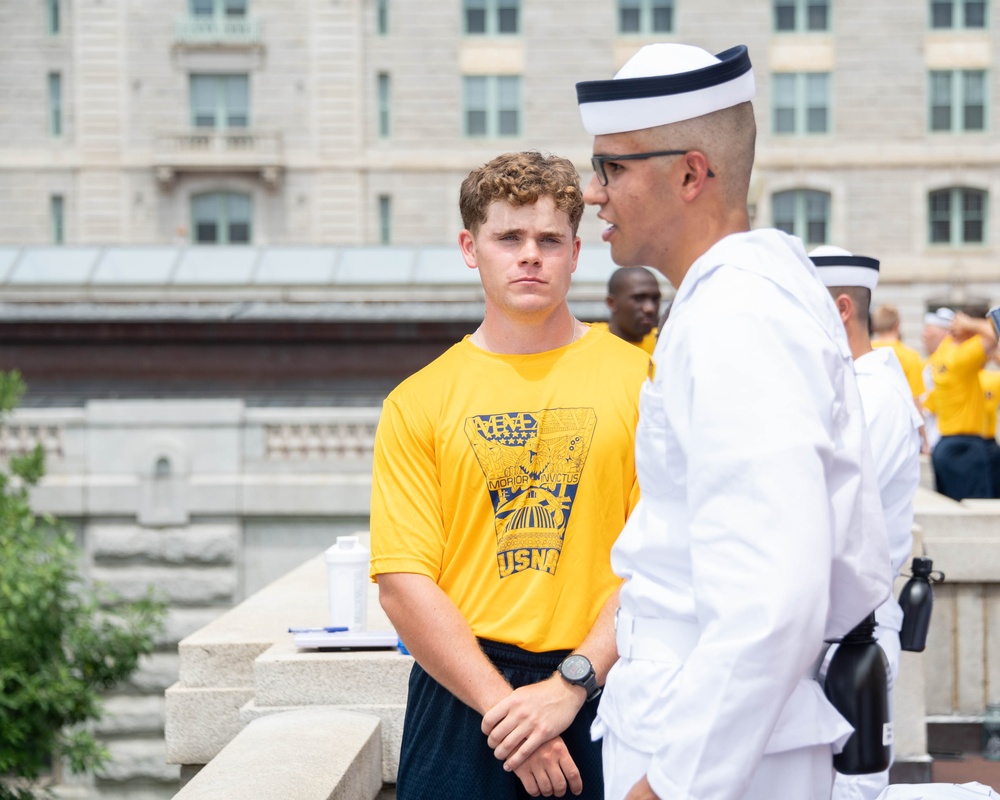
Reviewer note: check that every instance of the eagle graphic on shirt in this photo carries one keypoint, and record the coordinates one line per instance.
(532, 462)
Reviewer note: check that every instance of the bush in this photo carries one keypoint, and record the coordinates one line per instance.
(61, 642)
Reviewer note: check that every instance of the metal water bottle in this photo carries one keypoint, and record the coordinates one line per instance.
(917, 601)
(857, 684)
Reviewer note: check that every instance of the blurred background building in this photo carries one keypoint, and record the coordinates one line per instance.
(352, 122)
(228, 227)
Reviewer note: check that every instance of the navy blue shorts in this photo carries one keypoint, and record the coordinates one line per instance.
(444, 754)
(962, 467)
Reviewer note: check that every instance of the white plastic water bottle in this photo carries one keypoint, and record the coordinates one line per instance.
(347, 578)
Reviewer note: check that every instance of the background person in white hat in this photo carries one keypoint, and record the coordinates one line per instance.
(894, 431)
(759, 531)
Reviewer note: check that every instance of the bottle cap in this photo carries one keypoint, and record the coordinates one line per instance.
(922, 567)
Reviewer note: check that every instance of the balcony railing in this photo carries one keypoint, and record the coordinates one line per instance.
(236, 142)
(211, 150)
(217, 30)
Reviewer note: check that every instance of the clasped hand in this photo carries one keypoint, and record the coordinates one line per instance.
(523, 730)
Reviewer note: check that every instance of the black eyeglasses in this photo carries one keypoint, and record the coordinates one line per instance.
(598, 162)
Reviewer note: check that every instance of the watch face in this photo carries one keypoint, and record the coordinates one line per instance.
(576, 668)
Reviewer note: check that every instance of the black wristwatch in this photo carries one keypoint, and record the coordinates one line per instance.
(578, 670)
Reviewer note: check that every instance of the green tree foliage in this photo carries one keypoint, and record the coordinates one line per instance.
(62, 642)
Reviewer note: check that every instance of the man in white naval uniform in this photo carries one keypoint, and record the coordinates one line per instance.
(759, 531)
(894, 432)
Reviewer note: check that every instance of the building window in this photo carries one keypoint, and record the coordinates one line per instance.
(801, 102)
(491, 17)
(801, 15)
(384, 99)
(958, 14)
(958, 100)
(384, 219)
(645, 16)
(804, 213)
(220, 101)
(492, 105)
(957, 216)
(57, 218)
(382, 17)
(221, 218)
(54, 21)
(219, 8)
(55, 104)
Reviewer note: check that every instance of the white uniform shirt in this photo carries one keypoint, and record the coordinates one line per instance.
(759, 532)
(894, 432)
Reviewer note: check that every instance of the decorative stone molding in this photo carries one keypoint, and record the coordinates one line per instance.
(337, 440)
(19, 440)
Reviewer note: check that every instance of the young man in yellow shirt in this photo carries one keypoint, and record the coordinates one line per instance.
(503, 473)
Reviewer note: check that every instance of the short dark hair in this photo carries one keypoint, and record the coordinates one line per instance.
(619, 278)
(521, 179)
(862, 298)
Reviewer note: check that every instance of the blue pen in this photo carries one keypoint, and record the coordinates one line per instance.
(317, 630)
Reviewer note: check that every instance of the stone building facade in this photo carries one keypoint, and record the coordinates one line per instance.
(279, 122)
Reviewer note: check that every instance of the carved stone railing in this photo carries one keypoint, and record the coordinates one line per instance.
(339, 440)
(244, 141)
(217, 30)
(19, 440)
(210, 149)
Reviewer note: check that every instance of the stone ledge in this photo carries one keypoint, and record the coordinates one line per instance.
(311, 754)
(222, 653)
(201, 722)
(966, 559)
(288, 676)
(392, 728)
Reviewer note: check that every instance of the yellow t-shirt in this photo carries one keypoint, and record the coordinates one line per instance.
(506, 479)
(990, 381)
(910, 360)
(648, 341)
(957, 397)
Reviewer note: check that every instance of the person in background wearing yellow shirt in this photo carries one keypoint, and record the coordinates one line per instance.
(634, 301)
(989, 379)
(885, 333)
(961, 458)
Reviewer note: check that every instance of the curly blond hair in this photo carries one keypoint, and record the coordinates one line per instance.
(521, 179)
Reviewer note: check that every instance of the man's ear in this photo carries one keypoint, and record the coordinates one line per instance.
(845, 307)
(467, 243)
(610, 300)
(695, 173)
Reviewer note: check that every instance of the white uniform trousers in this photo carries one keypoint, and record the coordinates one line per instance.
(803, 774)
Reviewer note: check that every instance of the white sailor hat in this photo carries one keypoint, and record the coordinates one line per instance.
(839, 267)
(941, 318)
(666, 83)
